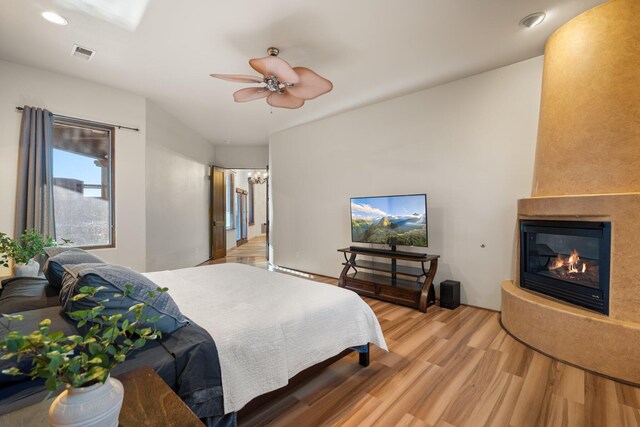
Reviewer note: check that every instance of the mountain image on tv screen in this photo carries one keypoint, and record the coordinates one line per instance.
(390, 220)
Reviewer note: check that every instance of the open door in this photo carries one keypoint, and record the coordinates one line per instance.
(218, 214)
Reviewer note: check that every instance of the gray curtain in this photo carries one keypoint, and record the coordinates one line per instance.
(34, 204)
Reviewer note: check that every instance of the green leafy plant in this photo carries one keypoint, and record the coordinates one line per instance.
(30, 244)
(81, 360)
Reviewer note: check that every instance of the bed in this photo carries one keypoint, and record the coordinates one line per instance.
(268, 326)
(251, 331)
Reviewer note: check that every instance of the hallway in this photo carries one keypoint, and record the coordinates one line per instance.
(253, 252)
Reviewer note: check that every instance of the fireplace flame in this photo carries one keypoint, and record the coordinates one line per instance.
(574, 258)
(557, 263)
(571, 263)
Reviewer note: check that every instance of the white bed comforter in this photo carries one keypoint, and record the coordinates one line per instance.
(268, 326)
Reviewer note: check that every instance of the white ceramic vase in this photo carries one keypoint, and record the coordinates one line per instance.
(95, 406)
(31, 269)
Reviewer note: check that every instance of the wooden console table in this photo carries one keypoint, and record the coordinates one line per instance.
(400, 284)
(148, 402)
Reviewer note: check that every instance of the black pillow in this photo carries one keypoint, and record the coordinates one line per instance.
(27, 293)
(54, 267)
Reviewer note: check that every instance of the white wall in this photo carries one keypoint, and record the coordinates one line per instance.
(21, 85)
(242, 156)
(177, 192)
(468, 144)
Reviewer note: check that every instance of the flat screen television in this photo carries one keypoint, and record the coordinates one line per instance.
(390, 220)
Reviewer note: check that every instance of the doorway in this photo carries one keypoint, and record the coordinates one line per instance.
(218, 234)
(239, 213)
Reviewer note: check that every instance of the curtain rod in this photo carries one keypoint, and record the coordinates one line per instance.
(21, 109)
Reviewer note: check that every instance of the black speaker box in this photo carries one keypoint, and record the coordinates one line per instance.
(450, 294)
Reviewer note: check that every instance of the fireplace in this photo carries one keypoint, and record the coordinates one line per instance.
(567, 260)
(589, 108)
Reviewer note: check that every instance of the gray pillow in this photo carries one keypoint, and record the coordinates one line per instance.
(54, 266)
(55, 250)
(114, 278)
(27, 293)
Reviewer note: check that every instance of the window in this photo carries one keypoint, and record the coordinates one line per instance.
(251, 215)
(230, 185)
(82, 166)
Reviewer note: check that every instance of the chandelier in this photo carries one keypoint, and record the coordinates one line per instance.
(258, 178)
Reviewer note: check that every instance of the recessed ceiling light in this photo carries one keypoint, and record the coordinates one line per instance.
(55, 18)
(532, 20)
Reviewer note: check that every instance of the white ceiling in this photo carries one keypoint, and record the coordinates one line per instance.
(370, 49)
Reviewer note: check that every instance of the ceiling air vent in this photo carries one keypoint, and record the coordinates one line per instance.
(82, 52)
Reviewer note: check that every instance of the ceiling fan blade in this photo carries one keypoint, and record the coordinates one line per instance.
(285, 100)
(274, 66)
(311, 84)
(250, 94)
(240, 78)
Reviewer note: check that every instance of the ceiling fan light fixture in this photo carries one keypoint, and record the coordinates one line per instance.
(273, 85)
(533, 20)
(284, 86)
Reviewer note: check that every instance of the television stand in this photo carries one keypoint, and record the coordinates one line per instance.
(392, 251)
(388, 281)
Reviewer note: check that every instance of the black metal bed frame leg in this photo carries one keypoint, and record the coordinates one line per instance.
(364, 357)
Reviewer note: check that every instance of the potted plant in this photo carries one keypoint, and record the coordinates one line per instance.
(30, 244)
(82, 362)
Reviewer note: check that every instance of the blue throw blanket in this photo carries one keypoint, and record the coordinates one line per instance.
(187, 360)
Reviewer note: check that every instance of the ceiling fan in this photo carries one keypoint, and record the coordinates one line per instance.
(285, 87)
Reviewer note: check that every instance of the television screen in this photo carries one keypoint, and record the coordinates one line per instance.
(390, 220)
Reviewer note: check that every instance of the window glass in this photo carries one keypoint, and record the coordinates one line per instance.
(83, 183)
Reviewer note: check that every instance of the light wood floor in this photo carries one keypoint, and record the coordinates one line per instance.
(253, 252)
(451, 368)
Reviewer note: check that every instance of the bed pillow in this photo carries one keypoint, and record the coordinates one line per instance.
(27, 293)
(52, 251)
(54, 266)
(114, 278)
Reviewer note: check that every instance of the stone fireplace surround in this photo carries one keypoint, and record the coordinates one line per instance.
(588, 169)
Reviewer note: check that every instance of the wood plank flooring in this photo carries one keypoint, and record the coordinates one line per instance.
(253, 252)
(451, 368)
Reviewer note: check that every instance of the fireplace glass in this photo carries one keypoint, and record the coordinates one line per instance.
(567, 260)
